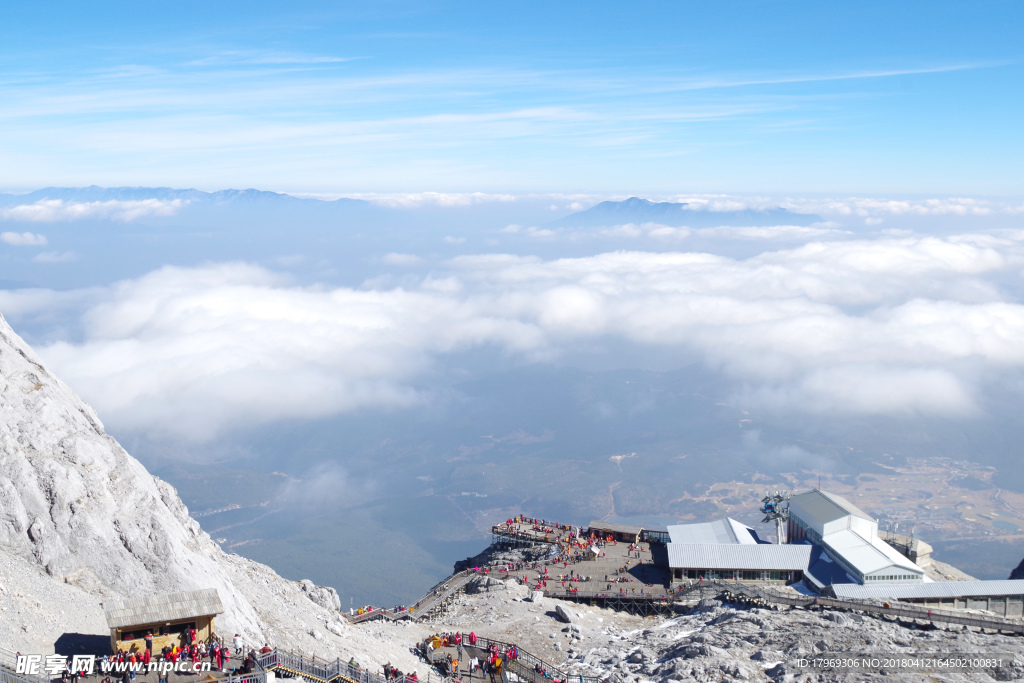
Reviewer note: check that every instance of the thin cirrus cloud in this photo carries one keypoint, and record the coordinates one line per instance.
(255, 115)
(242, 57)
(888, 325)
(57, 210)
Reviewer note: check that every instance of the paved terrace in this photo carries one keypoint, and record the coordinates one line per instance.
(615, 571)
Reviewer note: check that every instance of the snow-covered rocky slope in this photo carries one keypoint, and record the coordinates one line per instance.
(81, 521)
(718, 642)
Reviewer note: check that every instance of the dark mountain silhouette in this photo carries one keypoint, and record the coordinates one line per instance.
(1018, 573)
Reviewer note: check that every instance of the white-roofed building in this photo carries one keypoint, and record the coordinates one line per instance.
(761, 562)
(726, 530)
(727, 549)
(849, 537)
(1005, 598)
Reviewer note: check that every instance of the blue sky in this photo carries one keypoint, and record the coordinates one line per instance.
(883, 98)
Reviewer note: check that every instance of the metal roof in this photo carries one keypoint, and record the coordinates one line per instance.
(726, 530)
(919, 591)
(826, 507)
(738, 556)
(823, 571)
(868, 555)
(155, 609)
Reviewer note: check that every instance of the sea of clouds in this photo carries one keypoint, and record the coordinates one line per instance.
(860, 325)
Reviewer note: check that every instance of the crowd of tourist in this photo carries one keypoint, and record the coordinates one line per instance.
(467, 660)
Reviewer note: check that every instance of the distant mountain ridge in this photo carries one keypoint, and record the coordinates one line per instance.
(637, 210)
(95, 193)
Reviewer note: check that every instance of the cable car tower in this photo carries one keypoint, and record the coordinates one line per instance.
(775, 508)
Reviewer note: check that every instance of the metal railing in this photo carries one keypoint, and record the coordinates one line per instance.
(525, 665)
(254, 677)
(925, 614)
(458, 583)
(605, 595)
(8, 667)
(321, 670)
(7, 675)
(423, 606)
(716, 588)
(310, 667)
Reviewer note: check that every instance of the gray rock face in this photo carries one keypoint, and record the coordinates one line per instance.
(325, 597)
(484, 584)
(78, 510)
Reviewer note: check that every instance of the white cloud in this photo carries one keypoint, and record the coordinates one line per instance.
(871, 208)
(55, 257)
(24, 239)
(883, 325)
(412, 200)
(780, 233)
(664, 233)
(52, 210)
(395, 259)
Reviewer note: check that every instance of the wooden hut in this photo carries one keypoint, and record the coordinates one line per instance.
(170, 618)
(624, 533)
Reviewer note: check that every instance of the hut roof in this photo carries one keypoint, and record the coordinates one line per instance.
(155, 609)
(615, 528)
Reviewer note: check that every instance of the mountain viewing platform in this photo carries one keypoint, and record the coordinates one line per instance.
(584, 559)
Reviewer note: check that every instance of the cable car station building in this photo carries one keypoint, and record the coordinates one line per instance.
(729, 550)
(854, 553)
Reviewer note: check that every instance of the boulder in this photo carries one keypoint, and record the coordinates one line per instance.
(839, 618)
(565, 614)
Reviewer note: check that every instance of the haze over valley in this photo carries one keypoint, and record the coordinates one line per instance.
(402, 378)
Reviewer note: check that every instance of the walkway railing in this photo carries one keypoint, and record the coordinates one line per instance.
(757, 593)
(525, 665)
(902, 610)
(8, 667)
(321, 670)
(297, 664)
(254, 677)
(425, 605)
